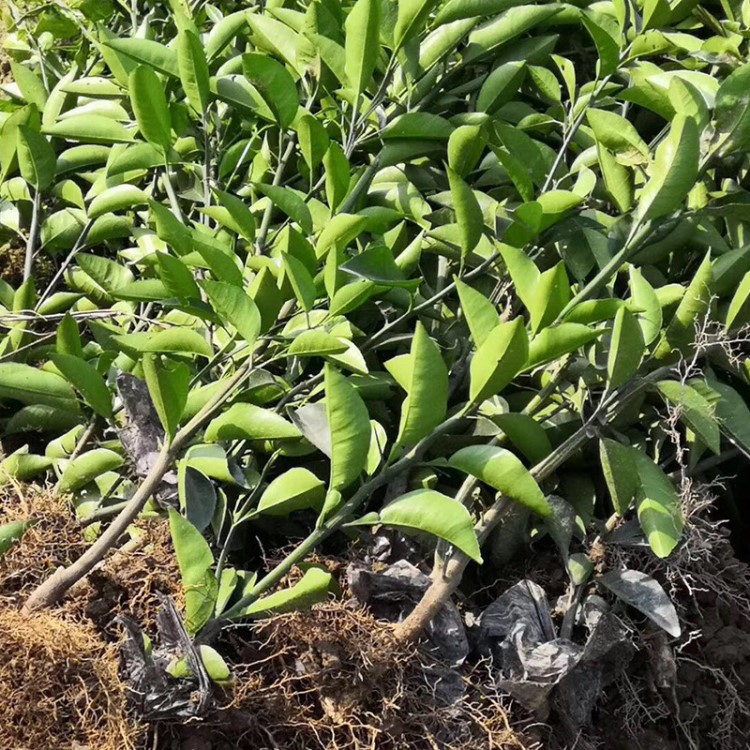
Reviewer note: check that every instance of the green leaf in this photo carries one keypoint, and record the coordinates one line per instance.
(168, 387)
(243, 221)
(729, 409)
(468, 212)
(313, 140)
(738, 313)
(87, 467)
(507, 26)
(732, 111)
(501, 470)
(501, 85)
(312, 589)
(315, 342)
(249, 422)
(36, 158)
(193, 69)
(694, 410)
(68, 339)
(275, 84)
(195, 561)
(23, 466)
(620, 473)
(116, 198)
(498, 360)
(681, 331)
(411, 17)
(290, 203)
(362, 43)
(236, 307)
(418, 125)
(626, 350)
(557, 341)
(86, 379)
(433, 513)
(337, 172)
(349, 427)
(674, 172)
(295, 489)
(465, 147)
(90, 129)
(31, 86)
(148, 53)
(658, 507)
(11, 533)
(478, 311)
(29, 385)
(174, 340)
(177, 277)
(617, 134)
(617, 179)
(301, 280)
(425, 405)
(526, 434)
(644, 298)
(150, 107)
(197, 495)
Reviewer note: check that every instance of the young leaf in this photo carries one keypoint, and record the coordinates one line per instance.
(425, 405)
(295, 489)
(479, 313)
(168, 388)
(498, 360)
(150, 107)
(501, 470)
(36, 159)
(620, 473)
(195, 561)
(349, 426)
(249, 422)
(236, 307)
(193, 68)
(311, 589)
(626, 349)
(468, 212)
(86, 379)
(674, 171)
(362, 43)
(434, 513)
(658, 507)
(87, 467)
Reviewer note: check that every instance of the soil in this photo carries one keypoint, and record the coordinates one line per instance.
(335, 678)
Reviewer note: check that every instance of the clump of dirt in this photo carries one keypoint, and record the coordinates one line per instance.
(54, 539)
(131, 580)
(695, 692)
(59, 686)
(335, 678)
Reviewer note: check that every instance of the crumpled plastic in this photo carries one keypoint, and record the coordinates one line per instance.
(143, 436)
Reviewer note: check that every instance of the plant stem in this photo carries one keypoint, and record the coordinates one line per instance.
(265, 224)
(358, 499)
(55, 587)
(33, 232)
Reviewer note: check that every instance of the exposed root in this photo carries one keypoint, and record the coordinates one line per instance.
(59, 686)
(335, 678)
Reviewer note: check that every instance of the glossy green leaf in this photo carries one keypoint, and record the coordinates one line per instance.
(478, 311)
(626, 349)
(12, 532)
(658, 507)
(36, 159)
(117, 198)
(275, 84)
(526, 434)
(732, 112)
(236, 307)
(87, 467)
(29, 385)
(501, 470)
(168, 386)
(195, 561)
(558, 341)
(197, 496)
(620, 473)
(193, 68)
(468, 212)
(498, 360)
(86, 379)
(295, 489)
(311, 589)
(249, 422)
(433, 513)
(362, 43)
(349, 427)
(150, 107)
(290, 203)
